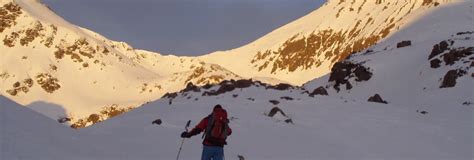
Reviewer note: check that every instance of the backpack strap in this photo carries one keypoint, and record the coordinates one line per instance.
(210, 125)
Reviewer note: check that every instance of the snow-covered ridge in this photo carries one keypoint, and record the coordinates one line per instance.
(45, 58)
(307, 48)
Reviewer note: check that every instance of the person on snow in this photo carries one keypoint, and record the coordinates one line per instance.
(216, 129)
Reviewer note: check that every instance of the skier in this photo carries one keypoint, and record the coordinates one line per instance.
(216, 129)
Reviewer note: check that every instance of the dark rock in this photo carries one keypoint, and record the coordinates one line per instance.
(243, 83)
(235, 95)
(240, 157)
(223, 89)
(274, 111)
(376, 98)
(422, 112)
(281, 86)
(438, 49)
(362, 74)
(170, 95)
(456, 54)
(449, 79)
(207, 86)
(64, 119)
(435, 63)
(403, 44)
(341, 72)
(250, 99)
(191, 87)
(319, 91)
(157, 122)
(289, 120)
(275, 102)
(286, 98)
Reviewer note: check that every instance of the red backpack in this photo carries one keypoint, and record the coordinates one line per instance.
(217, 126)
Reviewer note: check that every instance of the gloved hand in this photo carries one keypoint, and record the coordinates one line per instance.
(185, 135)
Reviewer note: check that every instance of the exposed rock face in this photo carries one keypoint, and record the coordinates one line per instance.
(376, 98)
(223, 89)
(106, 113)
(449, 79)
(319, 91)
(342, 72)
(403, 44)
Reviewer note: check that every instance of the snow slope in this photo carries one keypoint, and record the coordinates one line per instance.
(322, 128)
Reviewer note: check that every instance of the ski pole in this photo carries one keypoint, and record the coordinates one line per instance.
(182, 141)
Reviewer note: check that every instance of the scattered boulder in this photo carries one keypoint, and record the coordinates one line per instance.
(319, 91)
(403, 44)
(377, 98)
(435, 63)
(286, 98)
(240, 157)
(274, 102)
(289, 120)
(157, 122)
(274, 111)
(251, 99)
(421, 112)
(449, 79)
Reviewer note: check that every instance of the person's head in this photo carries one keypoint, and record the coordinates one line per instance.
(217, 107)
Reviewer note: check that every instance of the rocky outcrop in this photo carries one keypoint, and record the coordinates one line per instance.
(343, 72)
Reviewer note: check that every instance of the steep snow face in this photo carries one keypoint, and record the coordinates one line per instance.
(308, 47)
(44, 58)
(26, 134)
(433, 68)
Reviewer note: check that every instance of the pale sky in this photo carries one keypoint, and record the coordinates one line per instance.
(183, 27)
